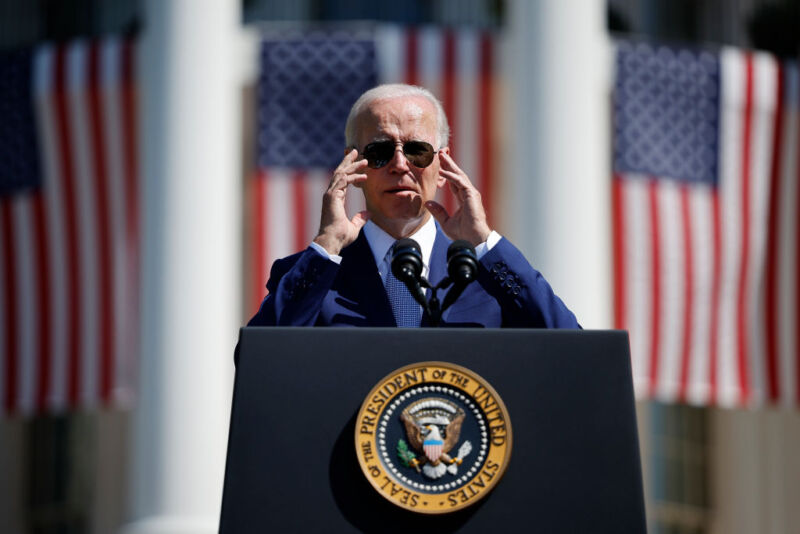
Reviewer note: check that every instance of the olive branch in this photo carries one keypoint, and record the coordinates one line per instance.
(405, 455)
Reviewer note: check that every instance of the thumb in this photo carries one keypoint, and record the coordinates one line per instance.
(438, 211)
(360, 219)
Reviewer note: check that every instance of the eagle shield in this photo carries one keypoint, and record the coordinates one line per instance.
(433, 445)
(433, 427)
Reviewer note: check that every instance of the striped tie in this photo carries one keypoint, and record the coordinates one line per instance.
(407, 313)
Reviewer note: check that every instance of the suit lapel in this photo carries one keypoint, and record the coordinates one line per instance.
(359, 275)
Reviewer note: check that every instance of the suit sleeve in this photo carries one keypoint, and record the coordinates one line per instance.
(525, 297)
(296, 289)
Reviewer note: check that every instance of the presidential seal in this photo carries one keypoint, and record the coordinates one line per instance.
(433, 437)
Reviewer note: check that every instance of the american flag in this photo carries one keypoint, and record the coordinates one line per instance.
(69, 229)
(706, 221)
(307, 84)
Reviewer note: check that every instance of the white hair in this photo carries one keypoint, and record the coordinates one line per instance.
(396, 90)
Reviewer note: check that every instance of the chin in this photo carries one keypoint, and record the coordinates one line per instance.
(408, 211)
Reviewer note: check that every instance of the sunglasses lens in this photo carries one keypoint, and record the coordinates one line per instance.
(379, 154)
(419, 153)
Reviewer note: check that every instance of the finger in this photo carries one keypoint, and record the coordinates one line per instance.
(350, 156)
(449, 163)
(346, 167)
(353, 177)
(455, 179)
(456, 191)
(341, 180)
(347, 160)
(354, 166)
(360, 219)
(438, 211)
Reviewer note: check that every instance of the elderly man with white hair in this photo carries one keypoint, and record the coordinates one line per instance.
(397, 154)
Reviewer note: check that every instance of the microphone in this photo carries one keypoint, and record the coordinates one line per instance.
(407, 267)
(462, 268)
(462, 262)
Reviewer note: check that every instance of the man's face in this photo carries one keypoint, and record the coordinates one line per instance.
(396, 193)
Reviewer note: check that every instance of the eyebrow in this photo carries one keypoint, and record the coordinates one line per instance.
(380, 139)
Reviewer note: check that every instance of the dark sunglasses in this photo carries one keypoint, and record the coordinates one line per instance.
(418, 153)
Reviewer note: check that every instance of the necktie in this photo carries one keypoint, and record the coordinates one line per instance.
(407, 313)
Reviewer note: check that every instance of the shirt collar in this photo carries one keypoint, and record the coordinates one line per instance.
(380, 242)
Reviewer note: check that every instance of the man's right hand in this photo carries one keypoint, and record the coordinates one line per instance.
(336, 231)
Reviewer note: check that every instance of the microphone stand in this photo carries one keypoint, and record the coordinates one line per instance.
(434, 307)
(461, 268)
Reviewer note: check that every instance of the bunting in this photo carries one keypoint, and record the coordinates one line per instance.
(706, 220)
(69, 226)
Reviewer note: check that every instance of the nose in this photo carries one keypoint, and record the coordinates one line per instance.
(399, 162)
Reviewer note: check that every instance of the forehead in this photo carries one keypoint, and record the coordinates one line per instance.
(401, 118)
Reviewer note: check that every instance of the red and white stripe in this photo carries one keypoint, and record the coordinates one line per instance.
(70, 249)
(286, 206)
(782, 277)
(433, 450)
(458, 66)
(706, 279)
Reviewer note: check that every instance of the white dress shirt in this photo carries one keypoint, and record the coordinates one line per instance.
(380, 242)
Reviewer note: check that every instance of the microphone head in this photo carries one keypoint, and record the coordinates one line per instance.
(407, 260)
(459, 246)
(462, 262)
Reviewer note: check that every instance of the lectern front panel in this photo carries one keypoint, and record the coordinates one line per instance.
(292, 464)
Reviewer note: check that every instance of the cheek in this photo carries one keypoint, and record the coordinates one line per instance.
(367, 185)
(436, 179)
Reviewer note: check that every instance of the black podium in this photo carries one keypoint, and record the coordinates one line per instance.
(292, 465)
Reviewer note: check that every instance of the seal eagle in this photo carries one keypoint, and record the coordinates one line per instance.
(423, 420)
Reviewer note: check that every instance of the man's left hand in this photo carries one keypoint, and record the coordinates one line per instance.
(468, 221)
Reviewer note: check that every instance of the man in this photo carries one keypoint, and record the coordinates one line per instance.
(398, 156)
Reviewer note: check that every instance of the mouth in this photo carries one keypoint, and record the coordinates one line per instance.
(400, 190)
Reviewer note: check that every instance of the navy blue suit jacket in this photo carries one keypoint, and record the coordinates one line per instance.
(306, 289)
